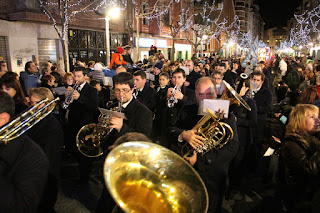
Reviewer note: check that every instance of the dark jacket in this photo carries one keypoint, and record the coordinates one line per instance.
(189, 98)
(192, 79)
(148, 97)
(214, 165)
(127, 58)
(23, 174)
(300, 155)
(48, 134)
(139, 119)
(263, 100)
(82, 111)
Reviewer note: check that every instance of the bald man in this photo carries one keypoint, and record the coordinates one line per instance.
(214, 165)
(121, 69)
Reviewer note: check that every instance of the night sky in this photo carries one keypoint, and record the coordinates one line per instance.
(276, 13)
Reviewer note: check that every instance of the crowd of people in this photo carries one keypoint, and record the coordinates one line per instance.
(160, 100)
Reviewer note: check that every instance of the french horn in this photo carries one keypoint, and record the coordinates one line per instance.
(90, 138)
(146, 177)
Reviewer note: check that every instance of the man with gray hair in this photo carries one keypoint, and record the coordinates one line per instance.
(214, 165)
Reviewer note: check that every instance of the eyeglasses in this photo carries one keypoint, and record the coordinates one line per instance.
(216, 78)
(118, 91)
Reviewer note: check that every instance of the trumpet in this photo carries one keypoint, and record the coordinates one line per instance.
(26, 120)
(69, 98)
(172, 100)
(90, 137)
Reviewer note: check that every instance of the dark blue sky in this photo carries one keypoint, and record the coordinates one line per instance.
(276, 13)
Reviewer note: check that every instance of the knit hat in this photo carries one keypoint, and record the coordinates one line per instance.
(98, 66)
(120, 50)
(158, 65)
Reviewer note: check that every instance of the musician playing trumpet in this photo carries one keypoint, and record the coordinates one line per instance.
(183, 95)
(212, 166)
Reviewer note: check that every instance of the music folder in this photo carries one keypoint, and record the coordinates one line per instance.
(215, 105)
(186, 69)
(60, 90)
(112, 113)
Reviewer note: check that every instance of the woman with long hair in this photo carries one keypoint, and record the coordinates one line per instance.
(12, 86)
(309, 96)
(300, 154)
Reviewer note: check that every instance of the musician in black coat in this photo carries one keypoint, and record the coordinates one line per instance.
(23, 167)
(82, 111)
(246, 121)
(48, 134)
(138, 116)
(143, 92)
(183, 96)
(263, 98)
(194, 74)
(212, 166)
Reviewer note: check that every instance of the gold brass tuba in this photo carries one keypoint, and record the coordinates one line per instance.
(26, 120)
(146, 177)
(216, 134)
(91, 136)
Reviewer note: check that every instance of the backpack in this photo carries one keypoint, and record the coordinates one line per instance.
(293, 80)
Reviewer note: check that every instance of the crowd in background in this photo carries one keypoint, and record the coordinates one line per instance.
(282, 93)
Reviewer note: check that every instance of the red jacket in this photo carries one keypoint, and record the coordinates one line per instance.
(116, 61)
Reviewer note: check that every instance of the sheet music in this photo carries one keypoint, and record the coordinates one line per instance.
(60, 90)
(214, 105)
(186, 69)
(112, 113)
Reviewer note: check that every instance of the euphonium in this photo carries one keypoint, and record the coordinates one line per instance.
(69, 98)
(216, 134)
(91, 136)
(146, 177)
(26, 120)
(172, 100)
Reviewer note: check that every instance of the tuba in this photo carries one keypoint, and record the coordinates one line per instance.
(216, 134)
(146, 177)
(91, 136)
(26, 120)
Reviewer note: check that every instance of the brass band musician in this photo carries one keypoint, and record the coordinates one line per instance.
(212, 166)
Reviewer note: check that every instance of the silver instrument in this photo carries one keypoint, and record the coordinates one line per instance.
(69, 98)
(26, 120)
(172, 100)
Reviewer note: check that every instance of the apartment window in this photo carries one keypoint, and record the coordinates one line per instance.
(145, 9)
(239, 3)
(166, 18)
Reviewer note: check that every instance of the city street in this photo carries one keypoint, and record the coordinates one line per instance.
(259, 196)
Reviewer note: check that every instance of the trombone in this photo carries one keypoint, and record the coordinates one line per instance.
(26, 120)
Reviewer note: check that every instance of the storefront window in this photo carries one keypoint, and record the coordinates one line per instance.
(88, 45)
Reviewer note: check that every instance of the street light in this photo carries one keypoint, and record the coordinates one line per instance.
(112, 13)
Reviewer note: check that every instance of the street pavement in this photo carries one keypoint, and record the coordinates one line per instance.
(258, 194)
